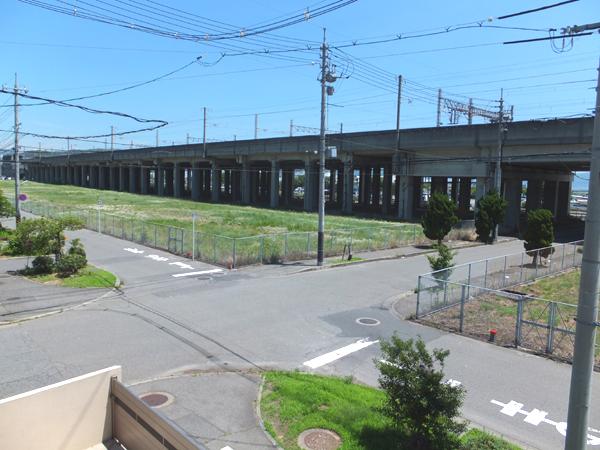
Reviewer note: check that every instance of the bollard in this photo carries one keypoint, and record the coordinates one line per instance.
(492, 337)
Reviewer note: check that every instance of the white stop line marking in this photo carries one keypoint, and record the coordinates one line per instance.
(202, 272)
(339, 353)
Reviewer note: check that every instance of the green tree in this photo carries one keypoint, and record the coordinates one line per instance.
(6, 208)
(439, 218)
(422, 407)
(42, 236)
(489, 213)
(539, 233)
(443, 260)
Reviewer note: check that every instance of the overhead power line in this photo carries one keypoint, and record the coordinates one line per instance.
(542, 8)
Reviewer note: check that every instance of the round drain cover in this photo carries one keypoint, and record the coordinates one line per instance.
(369, 321)
(319, 439)
(156, 399)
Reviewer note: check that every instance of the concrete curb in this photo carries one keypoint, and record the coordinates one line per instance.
(259, 415)
(388, 258)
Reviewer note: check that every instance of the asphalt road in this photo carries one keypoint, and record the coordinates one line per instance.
(172, 332)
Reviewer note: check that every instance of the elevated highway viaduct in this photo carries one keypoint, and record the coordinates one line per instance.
(373, 172)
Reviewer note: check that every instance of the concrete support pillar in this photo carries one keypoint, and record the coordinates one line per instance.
(534, 193)
(309, 185)
(177, 180)
(144, 179)
(83, 176)
(94, 176)
(550, 195)
(376, 196)
(512, 195)
(274, 188)
(406, 195)
(169, 176)
(387, 189)
(454, 190)
(101, 177)
(439, 184)
(133, 180)
(69, 179)
(76, 176)
(368, 183)
(481, 187)
(348, 193)
(563, 206)
(339, 188)
(196, 182)
(215, 188)
(123, 172)
(236, 194)
(246, 182)
(160, 181)
(332, 185)
(464, 197)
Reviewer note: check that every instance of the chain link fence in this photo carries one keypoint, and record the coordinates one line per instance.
(234, 252)
(481, 299)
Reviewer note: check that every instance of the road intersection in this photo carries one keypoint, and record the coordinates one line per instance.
(205, 338)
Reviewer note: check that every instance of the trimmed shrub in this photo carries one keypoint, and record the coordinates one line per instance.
(42, 265)
(70, 264)
(439, 218)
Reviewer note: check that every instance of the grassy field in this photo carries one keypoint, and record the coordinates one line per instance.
(293, 402)
(220, 219)
(88, 277)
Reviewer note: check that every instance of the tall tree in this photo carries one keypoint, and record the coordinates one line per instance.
(489, 213)
(539, 233)
(439, 218)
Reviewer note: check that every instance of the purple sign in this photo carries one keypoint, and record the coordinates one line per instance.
(22, 197)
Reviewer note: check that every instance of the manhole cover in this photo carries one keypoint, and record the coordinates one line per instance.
(368, 321)
(319, 439)
(156, 399)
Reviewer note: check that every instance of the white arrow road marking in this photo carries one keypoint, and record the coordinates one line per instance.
(452, 383)
(181, 264)
(536, 417)
(227, 448)
(133, 250)
(157, 258)
(339, 353)
(202, 272)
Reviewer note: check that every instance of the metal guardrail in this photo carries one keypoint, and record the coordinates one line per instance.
(234, 252)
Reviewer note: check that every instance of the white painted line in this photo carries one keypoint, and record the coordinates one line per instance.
(202, 272)
(157, 258)
(133, 250)
(337, 354)
(452, 383)
(227, 448)
(181, 264)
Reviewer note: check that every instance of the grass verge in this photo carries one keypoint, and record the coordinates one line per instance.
(293, 402)
(220, 219)
(88, 277)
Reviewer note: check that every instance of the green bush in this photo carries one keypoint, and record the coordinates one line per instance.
(480, 440)
(70, 264)
(539, 233)
(439, 218)
(423, 408)
(444, 258)
(42, 265)
(77, 248)
(489, 213)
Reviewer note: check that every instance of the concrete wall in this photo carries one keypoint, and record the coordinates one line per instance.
(71, 415)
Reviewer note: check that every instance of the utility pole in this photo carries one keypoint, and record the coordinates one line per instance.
(325, 75)
(16, 92)
(587, 309)
(438, 121)
(204, 134)
(112, 138)
(156, 138)
(255, 126)
(398, 112)
(187, 138)
(470, 112)
(291, 127)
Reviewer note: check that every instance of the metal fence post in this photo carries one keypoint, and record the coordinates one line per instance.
(562, 264)
(462, 307)
(214, 247)
(155, 235)
(414, 233)
(485, 274)
(522, 264)
(537, 262)
(308, 244)
(574, 254)
(469, 281)
(418, 296)
(504, 273)
(445, 292)
(262, 248)
(551, 319)
(519, 321)
(285, 246)
(233, 265)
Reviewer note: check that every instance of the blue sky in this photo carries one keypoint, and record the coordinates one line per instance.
(61, 56)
